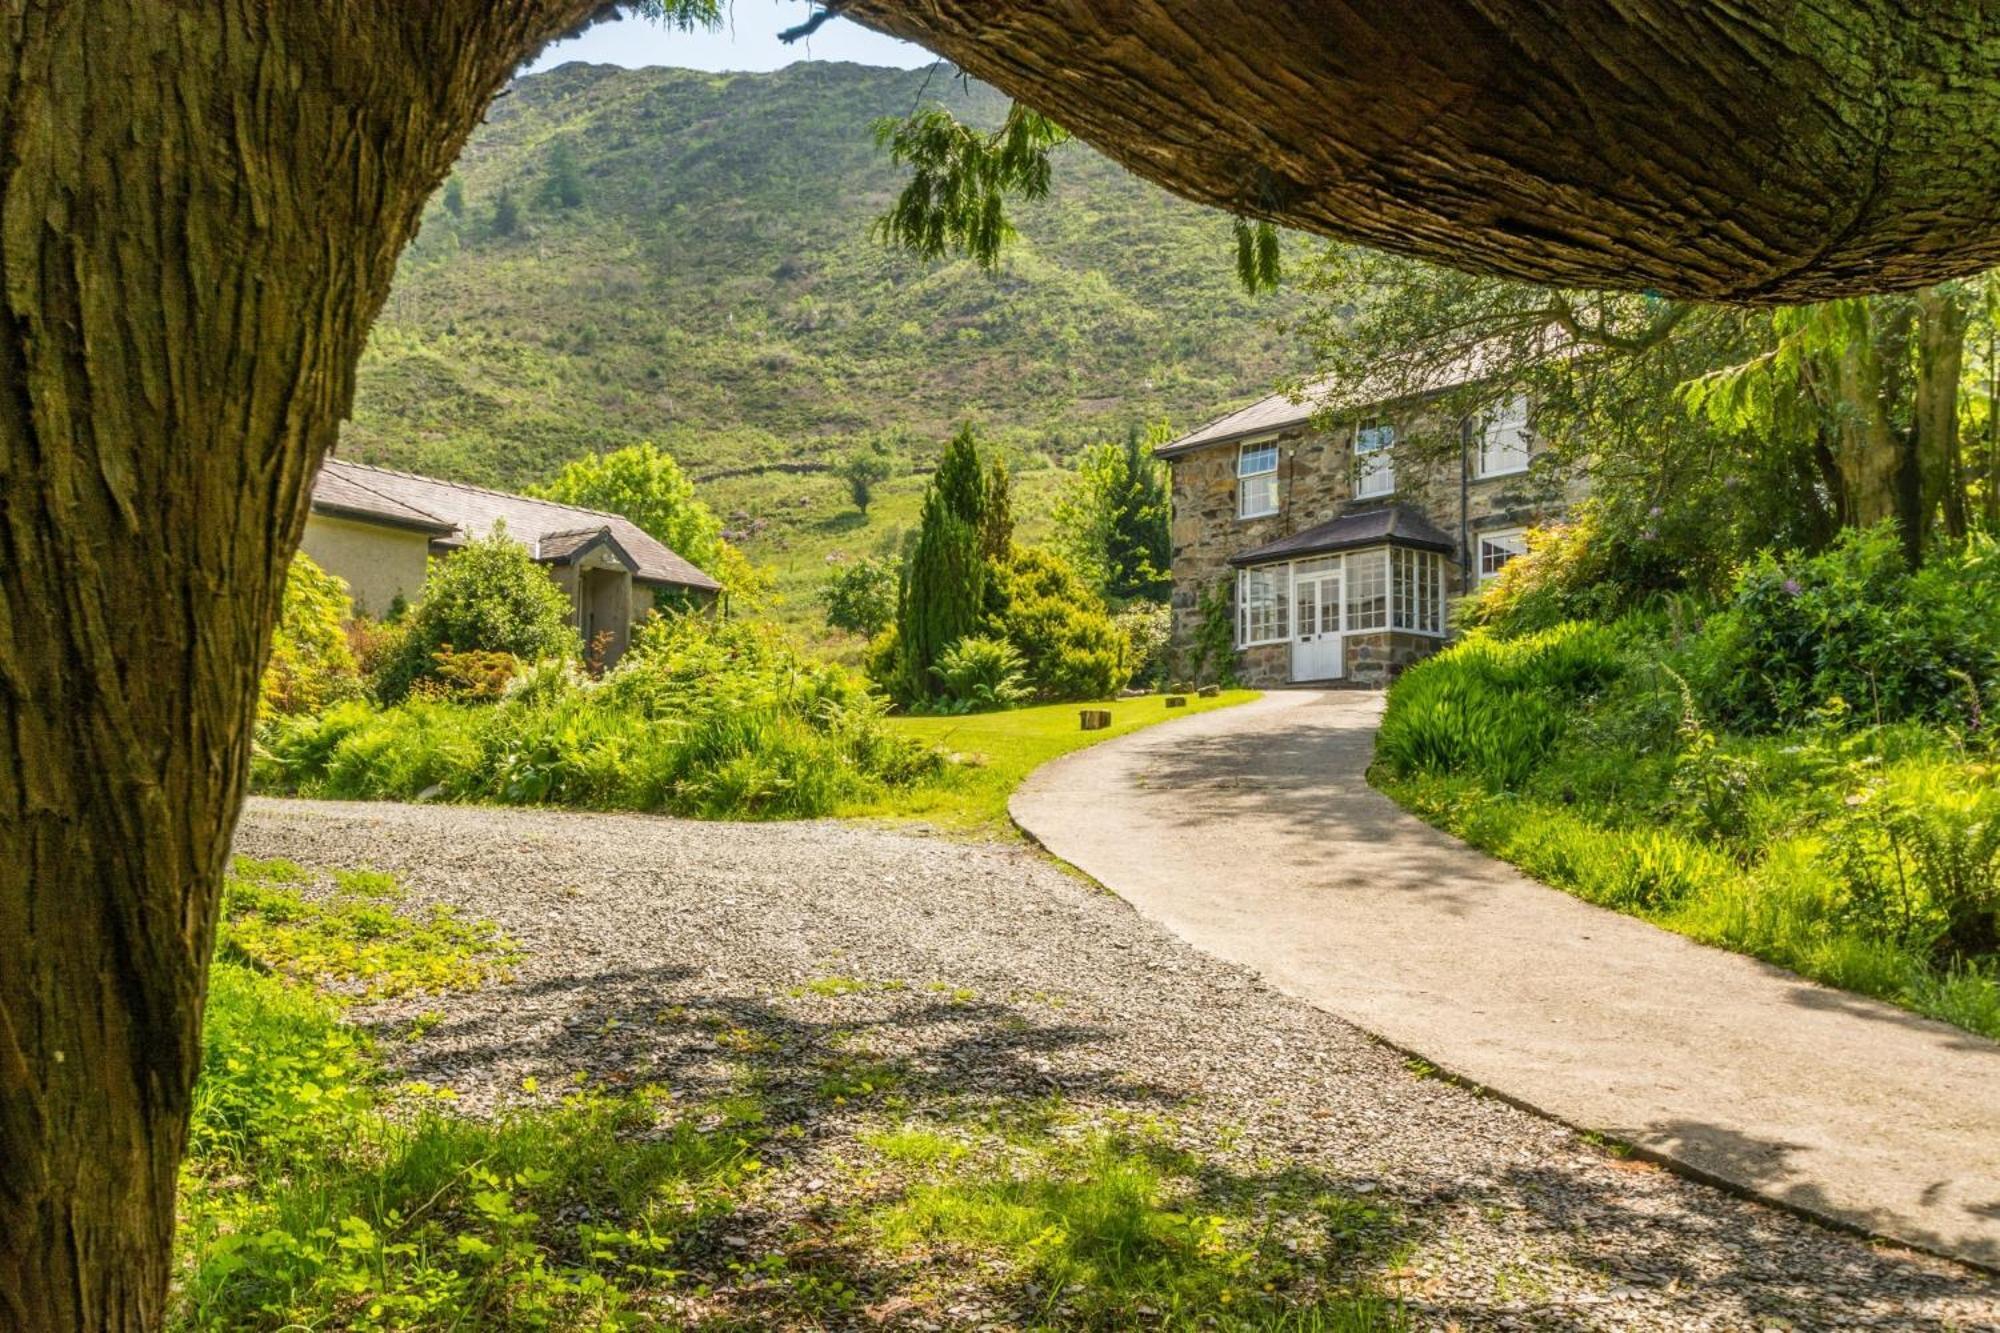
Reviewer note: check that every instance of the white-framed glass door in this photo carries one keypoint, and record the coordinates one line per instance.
(1316, 643)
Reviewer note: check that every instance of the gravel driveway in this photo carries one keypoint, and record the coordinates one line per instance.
(665, 949)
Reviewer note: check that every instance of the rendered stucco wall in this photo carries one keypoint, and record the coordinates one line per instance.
(378, 562)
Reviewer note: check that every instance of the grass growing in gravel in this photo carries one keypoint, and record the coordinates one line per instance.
(1114, 1227)
(998, 750)
(316, 1195)
(319, 1194)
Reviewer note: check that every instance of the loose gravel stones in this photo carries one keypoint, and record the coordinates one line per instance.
(825, 955)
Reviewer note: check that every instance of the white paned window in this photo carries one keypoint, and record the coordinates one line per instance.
(1504, 440)
(1374, 460)
(1497, 548)
(1256, 480)
(1368, 590)
(1417, 589)
(1263, 609)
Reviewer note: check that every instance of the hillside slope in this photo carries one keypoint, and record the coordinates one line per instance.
(716, 289)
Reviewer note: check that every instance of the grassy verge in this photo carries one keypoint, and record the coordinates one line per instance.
(998, 750)
(1864, 857)
(1785, 908)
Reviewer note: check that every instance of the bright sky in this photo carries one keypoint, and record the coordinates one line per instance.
(747, 40)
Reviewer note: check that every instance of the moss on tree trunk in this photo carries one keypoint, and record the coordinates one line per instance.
(200, 214)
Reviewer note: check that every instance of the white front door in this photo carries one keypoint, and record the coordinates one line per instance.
(1316, 627)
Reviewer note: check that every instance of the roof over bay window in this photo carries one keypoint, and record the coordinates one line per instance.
(1390, 525)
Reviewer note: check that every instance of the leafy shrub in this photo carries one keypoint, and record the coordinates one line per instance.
(1854, 625)
(1147, 629)
(861, 597)
(1919, 849)
(311, 664)
(979, 674)
(489, 597)
(1491, 707)
(468, 677)
(1579, 570)
(700, 717)
(1072, 650)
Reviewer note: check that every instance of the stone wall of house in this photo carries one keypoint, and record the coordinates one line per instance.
(1314, 485)
(1376, 659)
(1264, 665)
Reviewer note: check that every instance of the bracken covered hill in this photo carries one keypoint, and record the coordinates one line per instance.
(714, 287)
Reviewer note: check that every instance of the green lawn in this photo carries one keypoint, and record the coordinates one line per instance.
(1003, 748)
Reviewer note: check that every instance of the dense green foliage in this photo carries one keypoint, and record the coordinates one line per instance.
(943, 589)
(717, 290)
(1855, 629)
(1802, 771)
(863, 470)
(1068, 643)
(642, 482)
(944, 579)
(966, 577)
(1113, 517)
(976, 674)
(489, 597)
(860, 597)
(699, 718)
(311, 662)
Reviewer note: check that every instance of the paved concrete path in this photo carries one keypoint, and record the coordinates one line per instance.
(1252, 833)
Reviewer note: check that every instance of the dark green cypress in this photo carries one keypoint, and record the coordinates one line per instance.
(942, 594)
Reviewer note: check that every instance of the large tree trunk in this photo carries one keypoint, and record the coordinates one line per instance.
(1941, 322)
(1764, 151)
(1867, 447)
(201, 210)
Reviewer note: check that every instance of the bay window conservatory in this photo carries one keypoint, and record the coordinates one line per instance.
(1363, 577)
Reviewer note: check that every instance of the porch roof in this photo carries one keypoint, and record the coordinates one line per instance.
(1391, 525)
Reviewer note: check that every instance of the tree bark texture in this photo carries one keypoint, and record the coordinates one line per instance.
(1760, 151)
(1941, 323)
(201, 207)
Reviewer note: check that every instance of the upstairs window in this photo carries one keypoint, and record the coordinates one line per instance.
(1374, 464)
(1497, 548)
(1503, 441)
(1256, 480)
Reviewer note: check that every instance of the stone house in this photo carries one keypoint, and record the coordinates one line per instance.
(379, 529)
(1339, 548)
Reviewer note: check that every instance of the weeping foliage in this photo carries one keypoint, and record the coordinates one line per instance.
(962, 178)
(1257, 262)
(955, 202)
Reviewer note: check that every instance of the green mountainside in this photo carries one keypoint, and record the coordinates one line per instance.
(714, 288)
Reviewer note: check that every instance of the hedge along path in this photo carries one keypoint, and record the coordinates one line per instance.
(1252, 832)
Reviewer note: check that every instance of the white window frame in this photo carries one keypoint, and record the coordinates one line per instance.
(1416, 591)
(1498, 538)
(1277, 624)
(1374, 460)
(1268, 476)
(1510, 419)
(1407, 606)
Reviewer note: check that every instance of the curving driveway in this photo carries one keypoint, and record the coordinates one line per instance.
(1252, 833)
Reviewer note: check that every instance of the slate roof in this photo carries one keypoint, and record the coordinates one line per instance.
(1392, 525)
(1282, 410)
(457, 513)
(345, 493)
